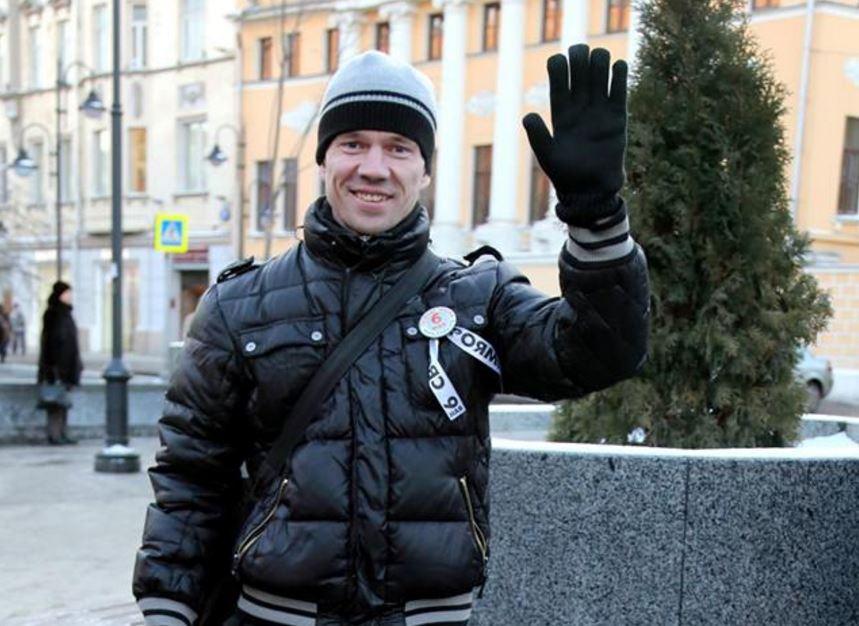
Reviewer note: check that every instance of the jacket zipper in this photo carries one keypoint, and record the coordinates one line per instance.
(256, 533)
(344, 323)
(476, 533)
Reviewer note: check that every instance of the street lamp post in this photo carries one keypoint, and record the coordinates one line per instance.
(92, 108)
(117, 456)
(23, 165)
(217, 157)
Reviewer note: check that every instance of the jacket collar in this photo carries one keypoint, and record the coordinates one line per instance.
(396, 248)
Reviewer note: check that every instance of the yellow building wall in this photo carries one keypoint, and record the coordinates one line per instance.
(840, 342)
(831, 99)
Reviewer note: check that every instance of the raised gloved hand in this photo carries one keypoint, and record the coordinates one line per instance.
(584, 156)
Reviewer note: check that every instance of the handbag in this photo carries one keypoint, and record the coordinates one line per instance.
(52, 395)
(220, 602)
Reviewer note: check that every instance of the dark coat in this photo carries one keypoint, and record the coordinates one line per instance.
(5, 327)
(387, 502)
(59, 357)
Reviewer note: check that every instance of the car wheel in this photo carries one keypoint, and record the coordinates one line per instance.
(813, 396)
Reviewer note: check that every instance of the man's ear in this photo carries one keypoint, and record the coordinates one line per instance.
(425, 181)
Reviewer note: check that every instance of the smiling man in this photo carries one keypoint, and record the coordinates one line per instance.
(383, 518)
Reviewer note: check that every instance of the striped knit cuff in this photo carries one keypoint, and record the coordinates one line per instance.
(607, 241)
(166, 612)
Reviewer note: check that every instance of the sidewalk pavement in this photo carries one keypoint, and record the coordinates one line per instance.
(95, 362)
(17, 369)
(68, 536)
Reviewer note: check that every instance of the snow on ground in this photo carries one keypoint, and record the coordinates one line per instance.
(838, 441)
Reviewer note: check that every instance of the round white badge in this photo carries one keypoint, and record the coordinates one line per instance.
(437, 322)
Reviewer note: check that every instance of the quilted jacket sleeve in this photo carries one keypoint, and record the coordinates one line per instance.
(595, 335)
(196, 473)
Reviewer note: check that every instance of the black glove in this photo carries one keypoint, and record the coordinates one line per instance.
(584, 159)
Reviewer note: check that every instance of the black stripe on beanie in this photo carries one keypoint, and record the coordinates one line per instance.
(380, 96)
(390, 117)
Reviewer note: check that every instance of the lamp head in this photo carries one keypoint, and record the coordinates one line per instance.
(93, 107)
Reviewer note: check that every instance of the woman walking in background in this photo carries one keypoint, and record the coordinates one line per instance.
(59, 359)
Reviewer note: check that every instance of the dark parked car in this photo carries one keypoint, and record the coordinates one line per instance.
(816, 374)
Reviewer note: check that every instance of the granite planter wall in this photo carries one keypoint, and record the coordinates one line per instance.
(21, 422)
(601, 535)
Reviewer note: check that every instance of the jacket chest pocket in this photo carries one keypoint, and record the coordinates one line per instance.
(283, 356)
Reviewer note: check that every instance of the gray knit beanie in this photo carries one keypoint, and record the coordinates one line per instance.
(374, 91)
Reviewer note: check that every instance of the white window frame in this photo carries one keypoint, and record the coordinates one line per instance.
(66, 190)
(192, 30)
(100, 39)
(191, 156)
(34, 57)
(100, 163)
(139, 36)
(3, 85)
(36, 151)
(62, 44)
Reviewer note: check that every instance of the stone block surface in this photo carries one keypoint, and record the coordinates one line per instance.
(583, 540)
(772, 542)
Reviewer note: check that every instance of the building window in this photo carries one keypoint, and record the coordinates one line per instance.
(848, 200)
(35, 58)
(291, 53)
(491, 16)
(192, 144)
(3, 85)
(617, 19)
(266, 53)
(765, 4)
(482, 185)
(37, 178)
(436, 35)
(383, 37)
(100, 48)
(551, 20)
(263, 197)
(66, 168)
(62, 44)
(137, 160)
(332, 49)
(539, 192)
(100, 163)
(427, 197)
(193, 19)
(138, 36)
(290, 193)
(4, 176)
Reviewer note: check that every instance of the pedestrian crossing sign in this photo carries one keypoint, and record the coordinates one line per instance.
(171, 232)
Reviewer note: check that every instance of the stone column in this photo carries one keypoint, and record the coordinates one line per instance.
(502, 230)
(574, 22)
(447, 232)
(349, 23)
(400, 16)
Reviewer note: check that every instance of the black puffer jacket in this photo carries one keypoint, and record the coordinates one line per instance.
(387, 502)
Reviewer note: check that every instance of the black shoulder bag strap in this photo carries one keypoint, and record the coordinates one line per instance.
(350, 348)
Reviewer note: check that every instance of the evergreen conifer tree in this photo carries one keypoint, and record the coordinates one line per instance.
(731, 303)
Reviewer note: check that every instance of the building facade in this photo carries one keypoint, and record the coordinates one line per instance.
(177, 91)
(487, 61)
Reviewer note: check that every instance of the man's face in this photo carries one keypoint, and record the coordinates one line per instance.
(373, 179)
(66, 297)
